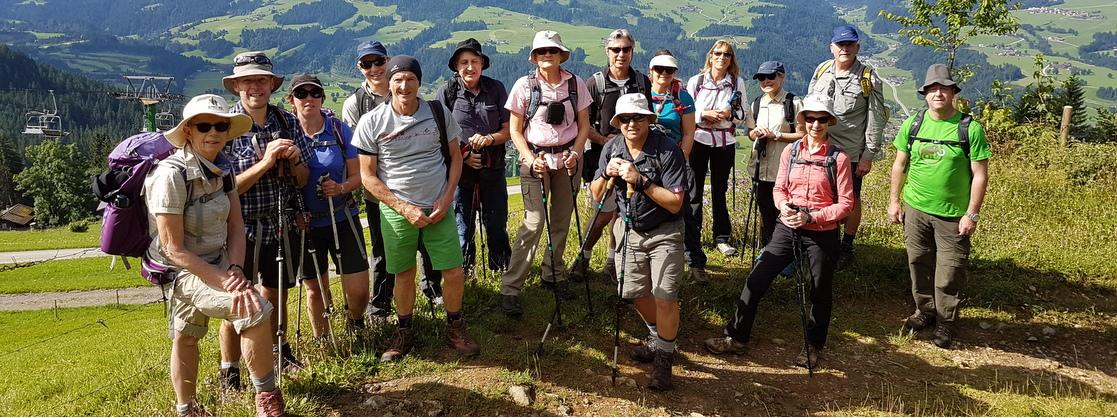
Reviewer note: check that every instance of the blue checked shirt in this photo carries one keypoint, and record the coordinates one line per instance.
(259, 204)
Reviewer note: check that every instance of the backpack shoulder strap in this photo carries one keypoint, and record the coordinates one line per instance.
(791, 158)
(756, 106)
(913, 129)
(866, 80)
(535, 97)
(572, 93)
(831, 165)
(443, 141)
(964, 133)
(598, 93)
(789, 110)
(822, 68)
(450, 94)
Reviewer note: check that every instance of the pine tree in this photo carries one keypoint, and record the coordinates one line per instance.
(1072, 95)
(1105, 130)
(9, 166)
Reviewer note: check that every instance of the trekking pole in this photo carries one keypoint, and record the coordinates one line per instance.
(620, 284)
(299, 310)
(281, 280)
(802, 275)
(578, 224)
(556, 315)
(751, 218)
(582, 247)
(337, 245)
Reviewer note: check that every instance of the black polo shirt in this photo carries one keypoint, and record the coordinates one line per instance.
(662, 162)
(483, 114)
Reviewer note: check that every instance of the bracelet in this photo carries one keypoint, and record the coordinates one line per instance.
(238, 266)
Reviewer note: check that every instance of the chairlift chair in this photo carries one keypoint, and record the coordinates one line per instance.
(164, 121)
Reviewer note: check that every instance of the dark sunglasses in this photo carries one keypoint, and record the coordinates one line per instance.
(369, 63)
(548, 50)
(630, 118)
(302, 93)
(204, 127)
(664, 70)
(619, 49)
(723, 54)
(251, 59)
(811, 119)
(763, 77)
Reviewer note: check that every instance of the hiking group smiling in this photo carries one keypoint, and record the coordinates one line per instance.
(276, 192)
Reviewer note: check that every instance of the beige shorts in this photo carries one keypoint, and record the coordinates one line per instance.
(195, 302)
(654, 263)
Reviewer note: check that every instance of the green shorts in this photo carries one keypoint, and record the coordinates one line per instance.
(401, 241)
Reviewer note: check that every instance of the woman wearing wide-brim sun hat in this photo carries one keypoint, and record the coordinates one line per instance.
(199, 239)
(549, 133)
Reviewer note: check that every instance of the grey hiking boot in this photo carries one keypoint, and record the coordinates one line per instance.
(460, 341)
(645, 352)
(229, 379)
(510, 304)
(725, 345)
(661, 374)
(578, 271)
(270, 404)
(815, 356)
(919, 320)
(944, 334)
(402, 343)
(699, 276)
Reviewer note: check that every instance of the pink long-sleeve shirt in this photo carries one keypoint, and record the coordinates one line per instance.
(808, 186)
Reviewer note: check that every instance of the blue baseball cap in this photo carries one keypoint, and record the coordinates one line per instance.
(371, 48)
(770, 67)
(844, 33)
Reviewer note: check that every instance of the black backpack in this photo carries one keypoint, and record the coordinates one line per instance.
(788, 109)
(830, 164)
(365, 102)
(963, 135)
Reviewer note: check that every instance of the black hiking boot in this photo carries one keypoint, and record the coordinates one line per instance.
(290, 363)
(511, 306)
(579, 271)
(846, 257)
(645, 352)
(229, 379)
(661, 374)
(944, 335)
(919, 321)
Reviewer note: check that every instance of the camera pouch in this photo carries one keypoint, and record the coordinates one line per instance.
(556, 112)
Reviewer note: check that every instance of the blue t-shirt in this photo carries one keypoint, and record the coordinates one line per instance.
(326, 157)
(669, 117)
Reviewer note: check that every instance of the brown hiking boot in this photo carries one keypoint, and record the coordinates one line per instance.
(402, 343)
(645, 352)
(725, 345)
(919, 321)
(270, 404)
(459, 340)
(579, 269)
(661, 374)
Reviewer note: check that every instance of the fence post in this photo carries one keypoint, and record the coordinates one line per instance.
(1064, 126)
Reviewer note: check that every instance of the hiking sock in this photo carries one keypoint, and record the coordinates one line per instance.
(265, 384)
(405, 321)
(610, 252)
(182, 409)
(230, 365)
(664, 345)
(652, 330)
(588, 253)
(453, 316)
(847, 240)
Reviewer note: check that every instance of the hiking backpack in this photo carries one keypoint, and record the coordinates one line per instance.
(443, 141)
(124, 228)
(734, 95)
(830, 164)
(866, 80)
(536, 97)
(962, 142)
(788, 109)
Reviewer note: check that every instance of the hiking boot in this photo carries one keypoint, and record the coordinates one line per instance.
(725, 345)
(290, 363)
(727, 249)
(355, 326)
(815, 356)
(460, 341)
(661, 374)
(578, 270)
(611, 269)
(944, 334)
(270, 404)
(919, 320)
(402, 343)
(698, 275)
(377, 321)
(564, 291)
(229, 379)
(510, 304)
(645, 352)
(846, 257)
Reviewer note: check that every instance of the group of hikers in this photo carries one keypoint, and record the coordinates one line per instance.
(258, 199)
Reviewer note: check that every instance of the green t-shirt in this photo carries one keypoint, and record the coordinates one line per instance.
(939, 175)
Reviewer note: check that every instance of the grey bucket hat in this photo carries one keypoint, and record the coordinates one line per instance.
(248, 64)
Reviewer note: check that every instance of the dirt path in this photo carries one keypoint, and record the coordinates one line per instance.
(40, 255)
(34, 301)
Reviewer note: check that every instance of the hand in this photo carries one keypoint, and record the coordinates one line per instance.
(570, 159)
(895, 213)
(795, 220)
(473, 160)
(539, 164)
(415, 216)
(756, 133)
(613, 169)
(235, 281)
(477, 141)
(787, 210)
(966, 226)
(245, 303)
(331, 188)
(276, 150)
(302, 221)
(712, 116)
(629, 173)
(441, 208)
(863, 167)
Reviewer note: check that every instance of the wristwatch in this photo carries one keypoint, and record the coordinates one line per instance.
(973, 217)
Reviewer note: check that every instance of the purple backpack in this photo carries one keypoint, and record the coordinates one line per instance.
(124, 227)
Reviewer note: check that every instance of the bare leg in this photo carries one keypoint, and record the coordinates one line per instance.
(184, 367)
(453, 288)
(355, 286)
(256, 344)
(316, 304)
(404, 292)
(229, 342)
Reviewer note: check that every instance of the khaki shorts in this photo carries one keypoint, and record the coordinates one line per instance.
(194, 303)
(655, 261)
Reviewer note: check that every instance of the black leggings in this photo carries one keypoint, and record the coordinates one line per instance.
(719, 160)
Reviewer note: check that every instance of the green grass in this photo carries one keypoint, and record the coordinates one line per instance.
(69, 275)
(735, 12)
(515, 31)
(49, 239)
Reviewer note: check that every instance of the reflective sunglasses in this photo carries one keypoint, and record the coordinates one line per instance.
(820, 119)
(764, 77)
(551, 50)
(251, 59)
(302, 93)
(204, 127)
(630, 118)
(375, 61)
(619, 49)
(664, 70)
(723, 54)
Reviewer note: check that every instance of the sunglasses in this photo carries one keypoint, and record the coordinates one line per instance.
(547, 51)
(376, 61)
(630, 118)
(723, 54)
(764, 77)
(302, 93)
(619, 49)
(204, 127)
(251, 59)
(812, 119)
(664, 70)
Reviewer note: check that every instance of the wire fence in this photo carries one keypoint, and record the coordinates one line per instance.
(58, 256)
